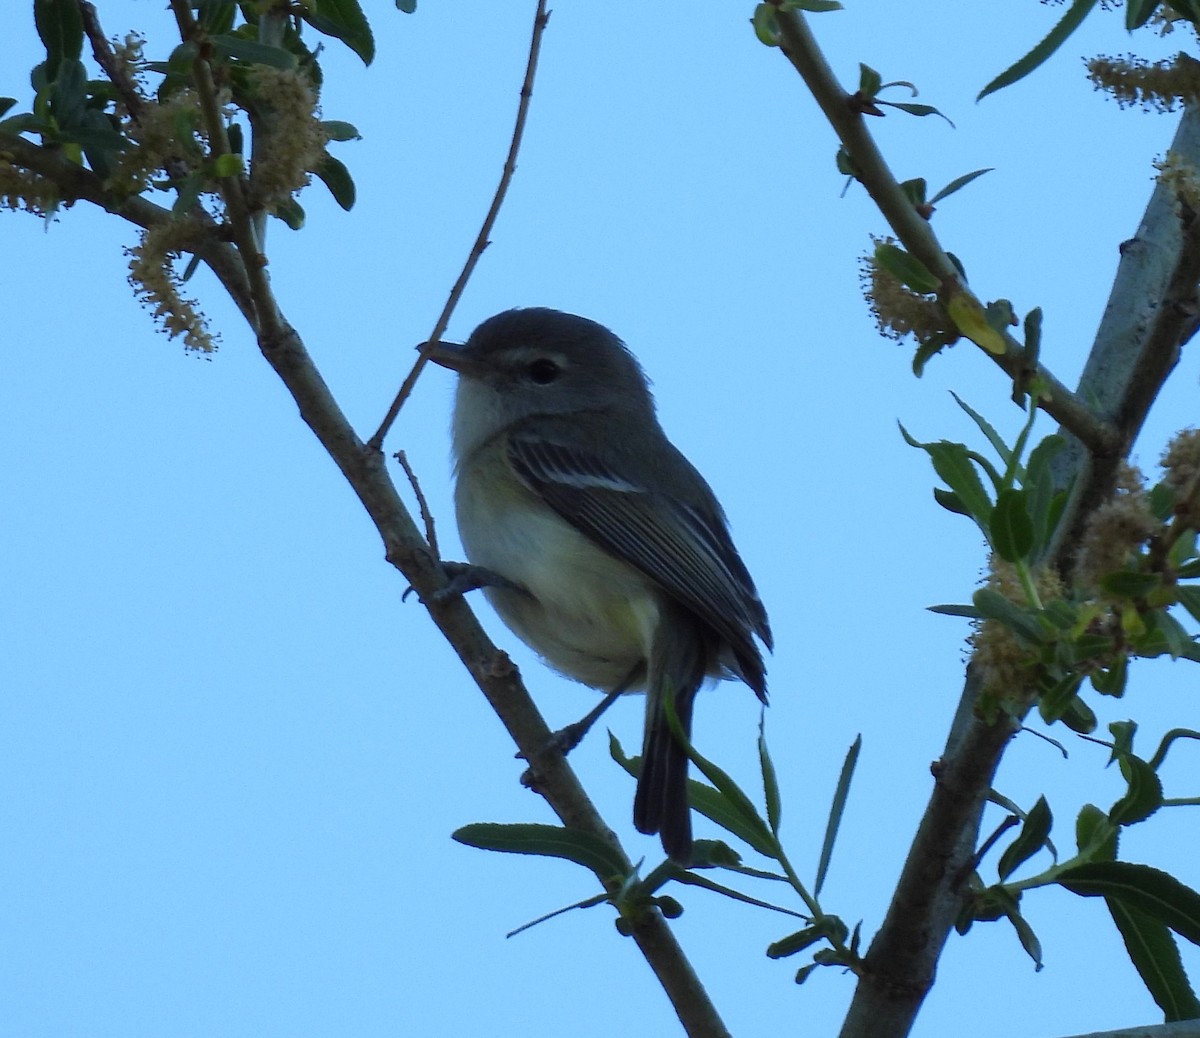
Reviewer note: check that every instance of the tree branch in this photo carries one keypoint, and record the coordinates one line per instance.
(241, 270)
(1152, 310)
(541, 17)
(915, 232)
(1151, 313)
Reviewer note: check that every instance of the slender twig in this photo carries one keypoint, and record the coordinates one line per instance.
(106, 58)
(422, 504)
(915, 232)
(540, 18)
(267, 323)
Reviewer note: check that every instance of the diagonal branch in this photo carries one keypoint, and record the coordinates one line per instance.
(915, 232)
(241, 269)
(1130, 362)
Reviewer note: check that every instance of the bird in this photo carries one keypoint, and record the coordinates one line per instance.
(603, 548)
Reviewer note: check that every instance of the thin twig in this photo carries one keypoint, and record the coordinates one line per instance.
(915, 232)
(540, 18)
(267, 322)
(106, 58)
(422, 504)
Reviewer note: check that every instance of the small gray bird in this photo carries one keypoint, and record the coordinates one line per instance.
(613, 555)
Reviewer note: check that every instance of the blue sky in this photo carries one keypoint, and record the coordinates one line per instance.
(231, 758)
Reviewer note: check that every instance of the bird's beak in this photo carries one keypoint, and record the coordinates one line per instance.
(450, 355)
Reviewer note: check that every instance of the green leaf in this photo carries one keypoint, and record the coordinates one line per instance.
(254, 53)
(1147, 889)
(766, 24)
(60, 26)
(869, 81)
(1031, 839)
(1162, 501)
(905, 268)
(1125, 584)
(693, 879)
(1170, 634)
(1011, 528)
(228, 165)
(970, 612)
(994, 606)
(344, 20)
(812, 6)
(710, 803)
(1155, 956)
(985, 427)
(796, 942)
(1137, 14)
(738, 803)
(1057, 702)
(217, 16)
(290, 212)
(949, 501)
(1039, 484)
(952, 461)
(1189, 598)
(1057, 36)
(827, 926)
(1029, 940)
(1111, 682)
(407, 6)
(1144, 795)
(1079, 717)
(6, 103)
(1095, 836)
(770, 781)
(836, 809)
(915, 109)
(928, 348)
(551, 841)
(957, 184)
(335, 176)
(339, 130)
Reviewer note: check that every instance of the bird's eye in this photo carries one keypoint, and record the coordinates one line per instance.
(543, 371)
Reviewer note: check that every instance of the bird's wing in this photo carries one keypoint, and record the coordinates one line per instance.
(690, 555)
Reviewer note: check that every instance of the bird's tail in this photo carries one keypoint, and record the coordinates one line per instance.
(677, 667)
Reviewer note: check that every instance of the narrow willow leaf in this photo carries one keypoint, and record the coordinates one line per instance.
(957, 184)
(836, 810)
(994, 606)
(972, 320)
(693, 879)
(1030, 840)
(254, 53)
(1011, 527)
(970, 612)
(1054, 39)
(994, 438)
(552, 841)
(1144, 795)
(1155, 956)
(344, 20)
(335, 176)
(1125, 584)
(916, 109)
(60, 26)
(906, 268)
(1147, 889)
(1095, 836)
(1137, 14)
(770, 781)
